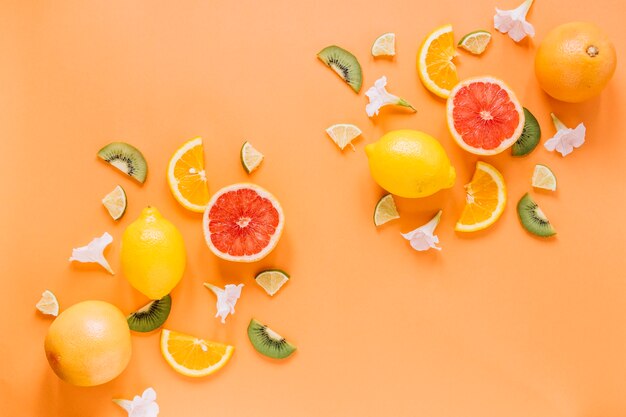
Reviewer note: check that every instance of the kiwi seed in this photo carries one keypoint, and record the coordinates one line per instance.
(529, 139)
(126, 158)
(344, 64)
(267, 342)
(151, 316)
(533, 219)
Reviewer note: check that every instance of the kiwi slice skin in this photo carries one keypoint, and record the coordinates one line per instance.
(344, 64)
(151, 316)
(529, 139)
(533, 219)
(126, 158)
(267, 342)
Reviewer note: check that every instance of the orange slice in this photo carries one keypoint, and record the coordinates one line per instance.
(434, 62)
(187, 178)
(192, 356)
(484, 201)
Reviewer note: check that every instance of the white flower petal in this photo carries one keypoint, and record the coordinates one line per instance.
(514, 21)
(93, 252)
(226, 299)
(423, 238)
(565, 139)
(144, 406)
(379, 97)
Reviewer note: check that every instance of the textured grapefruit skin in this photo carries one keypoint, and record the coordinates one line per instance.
(243, 223)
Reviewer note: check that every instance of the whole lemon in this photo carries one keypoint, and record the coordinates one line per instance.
(89, 343)
(575, 61)
(153, 254)
(410, 164)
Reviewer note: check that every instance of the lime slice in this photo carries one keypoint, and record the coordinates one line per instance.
(48, 304)
(384, 45)
(271, 280)
(250, 157)
(385, 210)
(475, 42)
(115, 202)
(343, 134)
(544, 178)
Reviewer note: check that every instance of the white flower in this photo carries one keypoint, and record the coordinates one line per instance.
(379, 97)
(423, 238)
(226, 299)
(93, 252)
(144, 406)
(565, 139)
(514, 22)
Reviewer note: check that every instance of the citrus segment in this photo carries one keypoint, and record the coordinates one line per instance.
(485, 199)
(343, 134)
(385, 210)
(434, 62)
(251, 158)
(475, 42)
(192, 356)
(272, 280)
(384, 45)
(187, 178)
(543, 178)
(484, 116)
(243, 223)
(115, 202)
(48, 304)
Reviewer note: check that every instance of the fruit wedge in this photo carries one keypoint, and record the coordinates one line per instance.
(533, 218)
(544, 178)
(384, 45)
(345, 65)
(192, 356)
(272, 280)
(484, 201)
(475, 42)
(343, 134)
(251, 158)
(187, 178)
(125, 158)
(48, 304)
(385, 210)
(115, 202)
(434, 62)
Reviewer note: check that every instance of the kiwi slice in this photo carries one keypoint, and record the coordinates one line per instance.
(126, 158)
(151, 316)
(267, 342)
(533, 219)
(530, 136)
(344, 64)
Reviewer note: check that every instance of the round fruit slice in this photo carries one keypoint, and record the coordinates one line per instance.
(267, 342)
(343, 134)
(187, 178)
(115, 202)
(243, 223)
(533, 219)
(434, 62)
(251, 158)
(475, 42)
(48, 304)
(484, 116)
(192, 356)
(529, 139)
(272, 280)
(484, 201)
(151, 316)
(385, 210)
(544, 178)
(385, 45)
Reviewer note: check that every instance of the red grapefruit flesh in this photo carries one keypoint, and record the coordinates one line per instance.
(242, 223)
(484, 116)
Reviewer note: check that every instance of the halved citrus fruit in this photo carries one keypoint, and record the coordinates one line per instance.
(475, 42)
(243, 223)
(115, 202)
(434, 62)
(484, 115)
(484, 201)
(272, 280)
(187, 178)
(251, 158)
(385, 210)
(192, 356)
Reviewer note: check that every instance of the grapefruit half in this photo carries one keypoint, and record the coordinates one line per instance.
(484, 115)
(243, 223)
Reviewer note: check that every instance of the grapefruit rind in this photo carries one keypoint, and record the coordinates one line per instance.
(506, 143)
(274, 238)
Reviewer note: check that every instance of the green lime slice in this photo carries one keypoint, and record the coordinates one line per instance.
(115, 202)
(475, 42)
(385, 210)
(271, 280)
(544, 178)
(250, 157)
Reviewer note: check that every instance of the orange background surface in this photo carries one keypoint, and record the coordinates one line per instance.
(498, 323)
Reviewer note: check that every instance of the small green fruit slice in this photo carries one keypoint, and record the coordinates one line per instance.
(544, 178)
(267, 342)
(385, 210)
(251, 158)
(529, 139)
(272, 280)
(151, 316)
(115, 202)
(475, 42)
(126, 158)
(384, 45)
(344, 64)
(532, 218)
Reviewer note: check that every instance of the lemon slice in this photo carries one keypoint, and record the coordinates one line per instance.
(187, 178)
(384, 45)
(475, 42)
(115, 202)
(434, 62)
(192, 356)
(48, 304)
(251, 158)
(343, 134)
(385, 210)
(544, 178)
(272, 280)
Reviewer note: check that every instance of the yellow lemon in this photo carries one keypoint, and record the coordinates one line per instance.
(89, 343)
(153, 254)
(410, 164)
